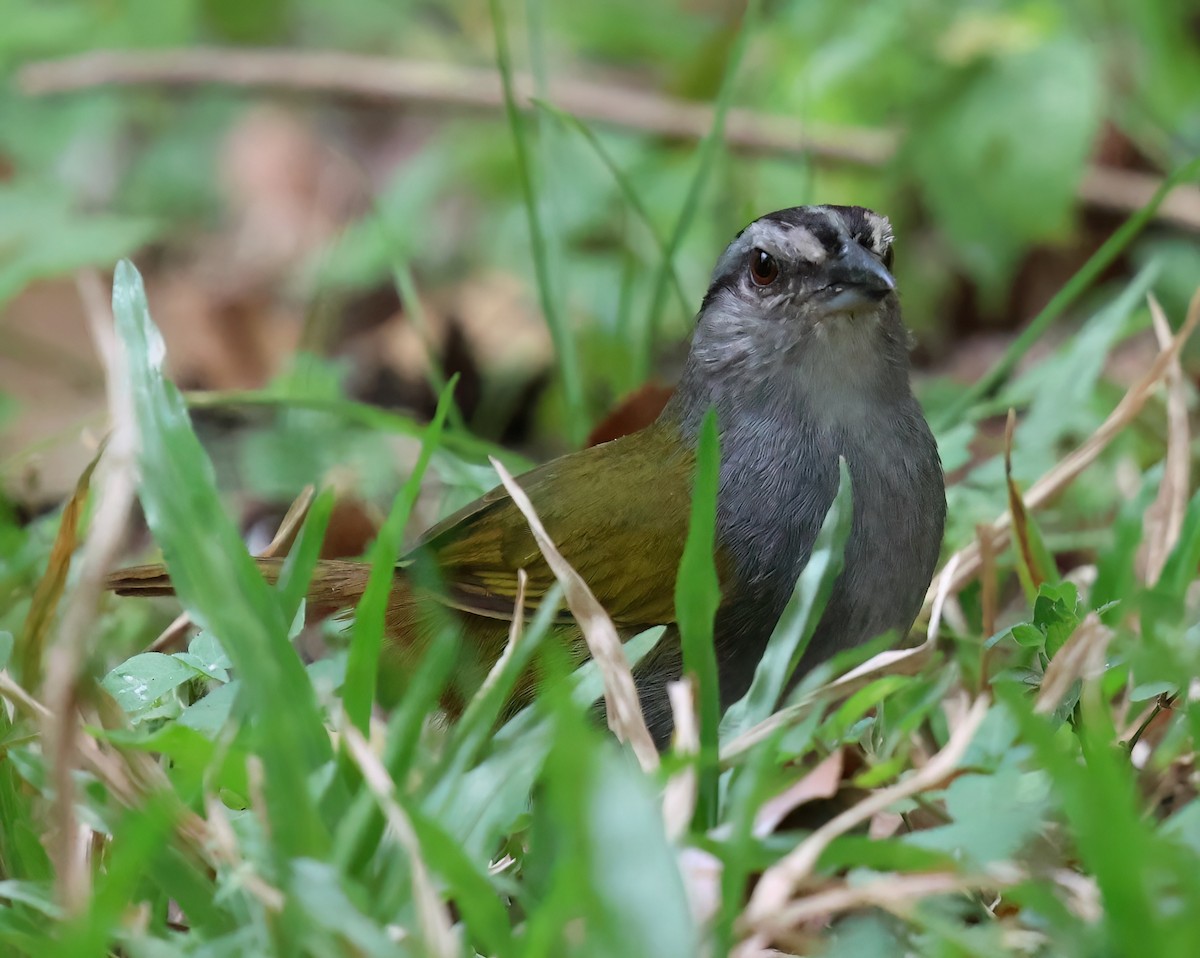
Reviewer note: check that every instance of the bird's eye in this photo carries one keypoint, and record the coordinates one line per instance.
(888, 257)
(763, 268)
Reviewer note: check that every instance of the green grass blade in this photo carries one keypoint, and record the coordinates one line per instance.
(302, 558)
(482, 911)
(697, 595)
(1087, 274)
(1179, 571)
(366, 640)
(706, 154)
(1099, 798)
(217, 580)
(138, 843)
(799, 619)
(746, 793)
(560, 331)
(372, 417)
(406, 287)
(1116, 572)
(360, 828)
(627, 189)
(479, 719)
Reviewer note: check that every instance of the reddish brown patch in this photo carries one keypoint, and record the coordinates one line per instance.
(636, 411)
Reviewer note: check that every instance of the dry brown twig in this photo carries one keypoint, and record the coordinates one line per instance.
(129, 785)
(437, 929)
(969, 558)
(621, 701)
(679, 794)
(129, 778)
(895, 893)
(289, 526)
(770, 909)
(61, 726)
(1081, 657)
(1163, 520)
(442, 84)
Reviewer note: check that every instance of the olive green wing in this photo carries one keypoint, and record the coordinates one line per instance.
(618, 512)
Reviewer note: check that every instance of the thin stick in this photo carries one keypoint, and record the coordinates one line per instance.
(781, 881)
(561, 331)
(621, 701)
(61, 728)
(895, 893)
(679, 795)
(437, 929)
(440, 84)
(1163, 521)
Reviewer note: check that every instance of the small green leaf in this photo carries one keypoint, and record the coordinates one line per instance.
(141, 681)
(994, 816)
(1056, 613)
(207, 657)
(1150, 690)
(1029, 636)
(216, 579)
(210, 714)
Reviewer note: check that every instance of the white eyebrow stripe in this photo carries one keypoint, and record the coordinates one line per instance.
(804, 245)
(795, 242)
(881, 233)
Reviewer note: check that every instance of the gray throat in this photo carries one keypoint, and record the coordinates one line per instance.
(784, 423)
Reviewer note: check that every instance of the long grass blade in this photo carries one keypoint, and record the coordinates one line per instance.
(556, 321)
(799, 619)
(1068, 294)
(697, 595)
(706, 155)
(628, 191)
(217, 580)
(366, 640)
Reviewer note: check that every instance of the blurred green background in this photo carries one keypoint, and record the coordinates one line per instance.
(356, 231)
(1006, 141)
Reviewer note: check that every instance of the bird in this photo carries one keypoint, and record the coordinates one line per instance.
(800, 348)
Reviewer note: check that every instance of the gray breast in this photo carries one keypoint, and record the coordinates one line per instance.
(777, 484)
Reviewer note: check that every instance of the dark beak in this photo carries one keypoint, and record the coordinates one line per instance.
(857, 279)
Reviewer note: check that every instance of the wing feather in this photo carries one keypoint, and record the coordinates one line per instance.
(618, 512)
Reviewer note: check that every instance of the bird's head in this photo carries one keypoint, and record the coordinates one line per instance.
(805, 293)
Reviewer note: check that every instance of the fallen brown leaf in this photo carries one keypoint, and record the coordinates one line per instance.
(821, 782)
(767, 911)
(53, 581)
